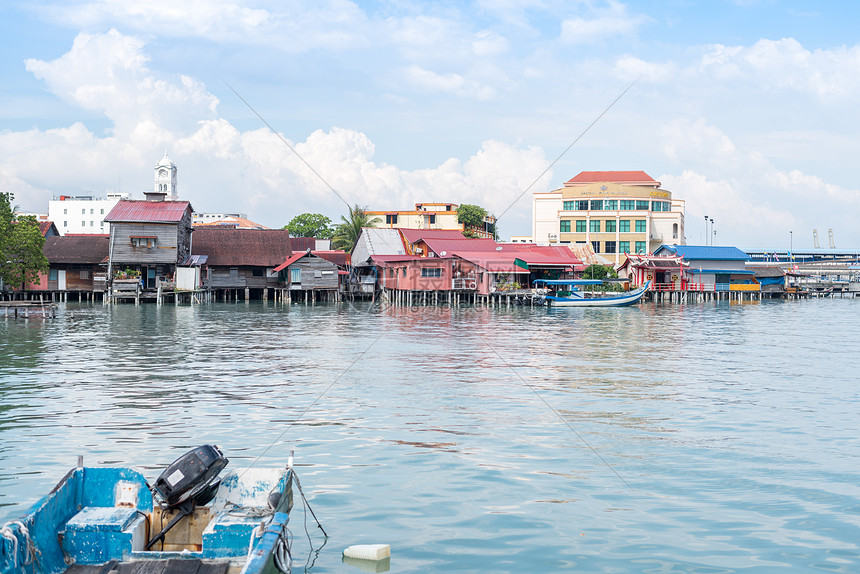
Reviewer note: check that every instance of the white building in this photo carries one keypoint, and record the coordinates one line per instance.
(616, 212)
(85, 213)
(82, 213)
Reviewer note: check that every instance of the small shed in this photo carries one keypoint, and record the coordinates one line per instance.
(308, 272)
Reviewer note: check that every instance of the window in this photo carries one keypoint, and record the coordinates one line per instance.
(624, 247)
(674, 231)
(640, 247)
(610, 204)
(103, 211)
(640, 226)
(610, 247)
(580, 226)
(582, 205)
(610, 228)
(295, 275)
(147, 242)
(257, 272)
(594, 226)
(596, 246)
(52, 275)
(234, 273)
(641, 205)
(569, 205)
(85, 273)
(404, 271)
(92, 211)
(624, 226)
(92, 223)
(435, 272)
(65, 224)
(628, 205)
(391, 219)
(83, 223)
(597, 204)
(65, 211)
(432, 219)
(564, 226)
(83, 212)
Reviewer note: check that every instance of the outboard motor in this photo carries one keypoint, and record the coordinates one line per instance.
(192, 479)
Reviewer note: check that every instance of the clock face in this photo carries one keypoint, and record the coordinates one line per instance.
(162, 172)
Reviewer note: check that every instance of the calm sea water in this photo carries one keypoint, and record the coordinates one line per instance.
(662, 438)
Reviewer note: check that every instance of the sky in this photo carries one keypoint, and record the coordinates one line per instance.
(746, 109)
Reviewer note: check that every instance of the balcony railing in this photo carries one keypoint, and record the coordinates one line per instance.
(706, 287)
(468, 283)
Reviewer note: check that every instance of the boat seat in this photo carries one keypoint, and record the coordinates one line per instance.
(97, 534)
(234, 508)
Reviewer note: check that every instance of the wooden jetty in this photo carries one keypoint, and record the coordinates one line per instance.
(28, 309)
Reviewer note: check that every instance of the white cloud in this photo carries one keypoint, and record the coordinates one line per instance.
(750, 199)
(108, 73)
(448, 83)
(220, 166)
(786, 64)
(607, 23)
(292, 27)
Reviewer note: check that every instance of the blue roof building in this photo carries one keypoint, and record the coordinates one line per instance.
(711, 264)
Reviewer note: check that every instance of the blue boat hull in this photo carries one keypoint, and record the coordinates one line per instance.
(98, 515)
(577, 300)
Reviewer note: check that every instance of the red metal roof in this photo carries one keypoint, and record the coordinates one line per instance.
(437, 246)
(292, 259)
(413, 235)
(612, 177)
(303, 243)
(340, 258)
(130, 210)
(492, 261)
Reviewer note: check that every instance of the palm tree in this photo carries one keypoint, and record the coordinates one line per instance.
(347, 232)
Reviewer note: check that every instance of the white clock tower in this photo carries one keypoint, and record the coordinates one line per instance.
(165, 178)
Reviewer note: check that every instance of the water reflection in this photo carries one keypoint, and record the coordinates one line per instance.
(735, 425)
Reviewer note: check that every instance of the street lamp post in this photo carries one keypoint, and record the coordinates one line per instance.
(791, 246)
(706, 230)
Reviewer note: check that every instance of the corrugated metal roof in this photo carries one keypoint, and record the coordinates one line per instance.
(130, 210)
(237, 247)
(303, 243)
(340, 258)
(230, 220)
(438, 246)
(377, 241)
(704, 252)
(491, 261)
(292, 259)
(613, 177)
(413, 235)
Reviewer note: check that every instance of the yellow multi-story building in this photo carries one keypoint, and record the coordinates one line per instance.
(616, 212)
(429, 216)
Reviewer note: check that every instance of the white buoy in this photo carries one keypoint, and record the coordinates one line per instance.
(368, 551)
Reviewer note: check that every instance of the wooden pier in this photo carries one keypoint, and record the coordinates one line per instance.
(28, 309)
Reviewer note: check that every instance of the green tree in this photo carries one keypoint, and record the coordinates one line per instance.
(472, 216)
(21, 242)
(598, 271)
(310, 225)
(347, 232)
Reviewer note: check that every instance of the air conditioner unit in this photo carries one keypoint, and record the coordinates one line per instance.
(553, 237)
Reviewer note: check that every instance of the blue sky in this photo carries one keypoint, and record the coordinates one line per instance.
(746, 109)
